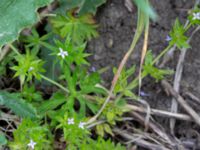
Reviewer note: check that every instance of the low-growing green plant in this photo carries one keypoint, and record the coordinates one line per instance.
(80, 94)
(80, 28)
(31, 135)
(30, 94)
(34, 41)
(100, 144)
(177, 35)
(68, 53)
(122, 83)
(150, 69)
(28, 66)
(74, 131)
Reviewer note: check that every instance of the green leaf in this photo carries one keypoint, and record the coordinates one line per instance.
(122, 82)
(31, 130)
(17, 105)
(92, 106)
(56, 100)
(108, 129)
(146, 8)
(15, 15)
(120, 103)
(29, 66)
(3, 140)
(154, 72)
(85, 6)
(178, 36)
(78, 29)
(100, 130)
(110, 116)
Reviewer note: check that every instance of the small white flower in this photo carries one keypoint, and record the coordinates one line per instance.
(62, 53)
(70, 121)
(196, 16)
(81, 125)
(30, 69)
(31, 144)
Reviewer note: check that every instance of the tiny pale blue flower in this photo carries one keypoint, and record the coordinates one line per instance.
(168, 38)
(93, 69)
(144, 94)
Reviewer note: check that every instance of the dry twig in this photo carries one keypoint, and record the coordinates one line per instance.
(161, 113)
(139, 141)
(181, 101)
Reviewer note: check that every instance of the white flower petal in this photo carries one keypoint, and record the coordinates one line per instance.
(30, 69)
(62, 53)
(196, 16)
(81, 125)
(31, 144)
(70, 121)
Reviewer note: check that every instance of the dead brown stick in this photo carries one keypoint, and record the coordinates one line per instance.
(161, 113)
(192, 96)
(139, 141)
(155, 128)
(181, 101)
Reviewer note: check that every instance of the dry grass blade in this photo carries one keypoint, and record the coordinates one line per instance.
(144, 51)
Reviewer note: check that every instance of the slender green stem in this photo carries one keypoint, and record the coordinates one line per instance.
(161, 54)
(188, 26)
(55, 83)
(14, 49)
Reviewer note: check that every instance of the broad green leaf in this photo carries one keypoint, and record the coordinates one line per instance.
(16, 15)
(85, 6)
(17, 105)
(3, 140)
